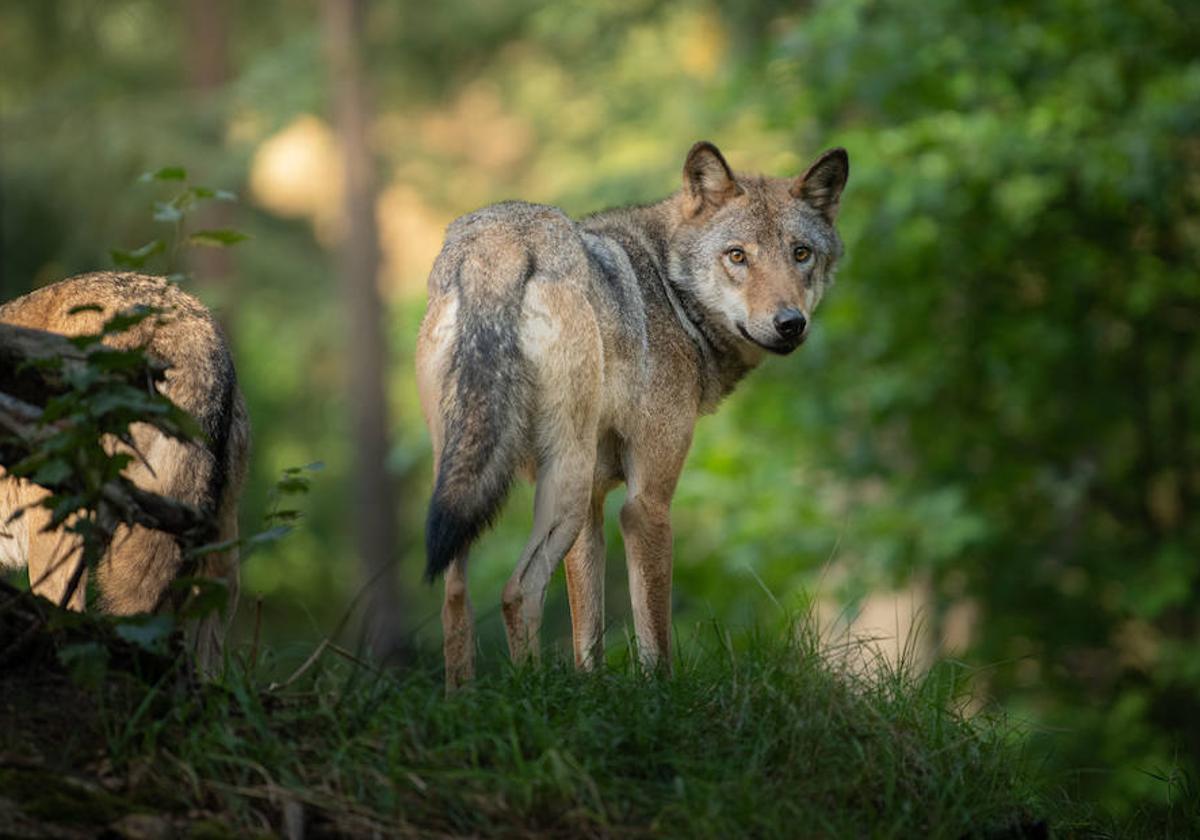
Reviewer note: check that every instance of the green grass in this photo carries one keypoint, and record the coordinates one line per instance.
(762, 738)
(753, 736)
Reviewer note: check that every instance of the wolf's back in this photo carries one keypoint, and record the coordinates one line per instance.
(487, 263)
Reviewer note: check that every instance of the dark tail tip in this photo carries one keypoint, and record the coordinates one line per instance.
(447, 535)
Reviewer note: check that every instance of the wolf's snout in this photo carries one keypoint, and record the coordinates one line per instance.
(790, 323)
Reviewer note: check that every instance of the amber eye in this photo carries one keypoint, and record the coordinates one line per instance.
(736, 256)
(801, 254)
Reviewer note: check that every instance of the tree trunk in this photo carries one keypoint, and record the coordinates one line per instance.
(374, 497)
(206, 65)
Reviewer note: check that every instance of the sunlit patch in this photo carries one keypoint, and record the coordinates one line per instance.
(702, 45)
(410, 236)
(245, 127)
(296, 173)
(476, 127)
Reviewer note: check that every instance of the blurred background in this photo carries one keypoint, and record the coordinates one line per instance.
(990, 448)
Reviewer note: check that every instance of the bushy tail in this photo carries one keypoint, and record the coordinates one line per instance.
(484, 410)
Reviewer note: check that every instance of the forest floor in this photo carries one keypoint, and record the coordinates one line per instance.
(104, 733)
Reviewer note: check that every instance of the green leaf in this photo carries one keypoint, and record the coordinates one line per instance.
(127, 318)
(82, 378)
(217, 237)
(83, 342)
(52, 472)
(125, 399)
(292, 485)
(85, 307)
(205, 596)
(269, 536)
(165, 211)
(62, 507)
(86, 662)
(150, 632)
(206, 193)
(180, 424)
(108, 361)
(167, 173)
(119, 462)
(137, 257)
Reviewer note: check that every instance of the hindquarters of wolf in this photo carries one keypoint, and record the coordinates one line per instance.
(509, 366)
(137, 573)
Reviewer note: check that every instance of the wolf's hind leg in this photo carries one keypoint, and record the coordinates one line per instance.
(562, 348)
(458, 627)
(585, 587)
(559, 512)
(137, 571)
(206, 635)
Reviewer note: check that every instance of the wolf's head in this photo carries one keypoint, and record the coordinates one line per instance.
(757, 252)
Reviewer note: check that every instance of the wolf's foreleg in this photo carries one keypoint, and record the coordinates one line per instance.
(646, 527)
(585, 588)
(652, 467)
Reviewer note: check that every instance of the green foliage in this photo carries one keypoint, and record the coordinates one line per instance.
(1015, 333)
(174, 211)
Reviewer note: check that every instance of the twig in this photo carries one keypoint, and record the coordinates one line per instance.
(303, 669)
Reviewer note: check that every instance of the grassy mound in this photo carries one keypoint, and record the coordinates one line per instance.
(750, 737)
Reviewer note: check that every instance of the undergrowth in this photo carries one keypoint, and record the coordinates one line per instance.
(752, 736)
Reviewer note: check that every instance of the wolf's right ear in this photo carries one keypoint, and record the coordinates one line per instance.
(707, 179)
(821, 186)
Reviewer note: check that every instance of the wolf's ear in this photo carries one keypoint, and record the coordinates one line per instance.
(821, 186)
(707, 179)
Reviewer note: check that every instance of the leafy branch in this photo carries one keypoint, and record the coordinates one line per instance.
(173, 211)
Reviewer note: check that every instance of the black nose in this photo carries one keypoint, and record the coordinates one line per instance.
(790, 323)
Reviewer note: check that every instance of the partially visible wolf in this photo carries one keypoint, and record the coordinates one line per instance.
(582, 353)
(208, 475)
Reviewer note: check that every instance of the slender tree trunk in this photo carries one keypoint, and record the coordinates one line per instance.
(206, 63)
(374, 497)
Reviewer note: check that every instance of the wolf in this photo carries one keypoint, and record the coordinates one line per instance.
(141, 564)
(581, 353)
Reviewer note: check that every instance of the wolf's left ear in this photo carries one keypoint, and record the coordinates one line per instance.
(707, 179)
(821, 186)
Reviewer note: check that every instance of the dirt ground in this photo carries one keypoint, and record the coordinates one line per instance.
(66, 685)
